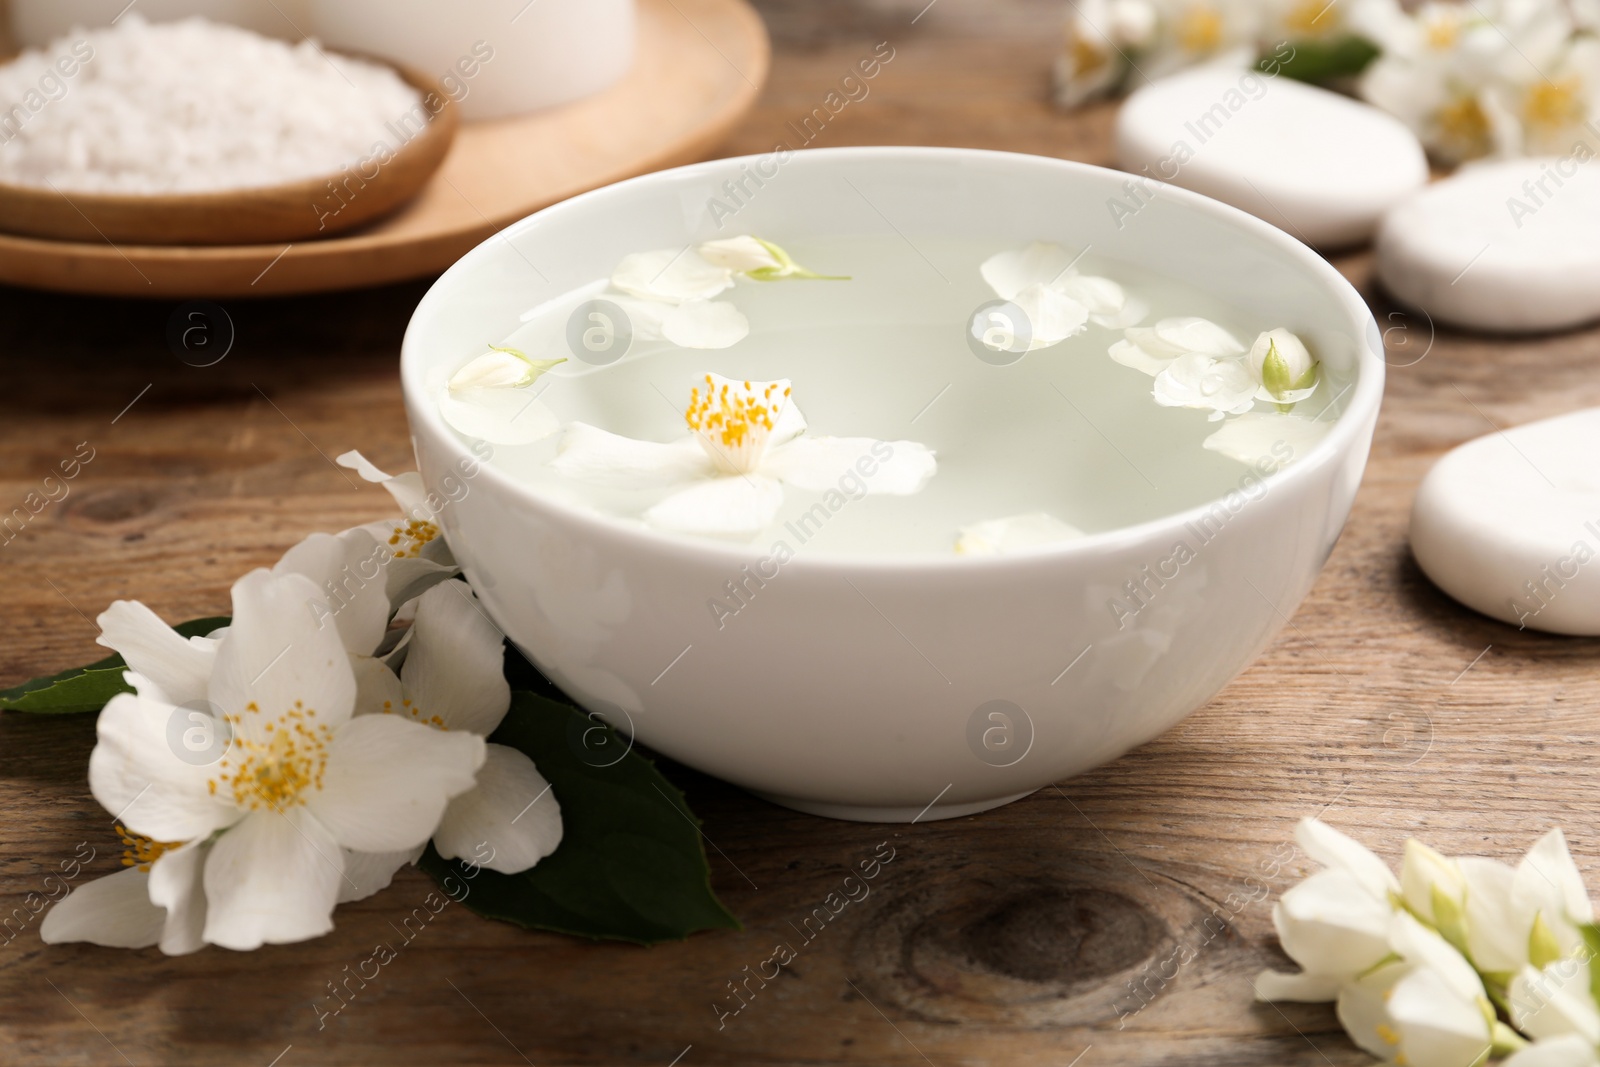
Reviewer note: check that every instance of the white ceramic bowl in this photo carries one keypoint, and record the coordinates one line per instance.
(865, 688)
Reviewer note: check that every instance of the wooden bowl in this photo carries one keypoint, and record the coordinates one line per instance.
(310, 208)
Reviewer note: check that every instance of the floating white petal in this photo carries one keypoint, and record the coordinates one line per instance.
(612, 461)
(896, 468)
(500, 416)
(705, 324)
(999, 536)
(735, 506)
(1195, 380)
(671, 275)
(1268, 438)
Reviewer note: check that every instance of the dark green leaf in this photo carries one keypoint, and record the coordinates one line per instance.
(1320, 62)
(86, 688)
(630, 867)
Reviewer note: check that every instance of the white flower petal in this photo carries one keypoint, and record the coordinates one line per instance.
(1421, 946)
(1052, 315)
(272, 879)
(1100, 296)
(1131, 313)
(735, 506)
(365, 873)
(1493, 935)
(741, 254)
(671, 275)
(1554, 1002)
(818, 464)
(1040, 263)
(114, 911)
(358, 604)
(511, 810)
(1302, 988)
(387, 781)
(135, 774)
(455, 668)
(1195, 380)
(1271, 438)
(1329, 924)
(406, 489)
(1569, 1050)
(378, 689)
(705, 324)
(1337, 851)
(500, 368)
(179, 667)
(1131, 355)
(278, 653)
(499, 416)
(177, 883)
(1363, 1011)
(1437, 1027)
(611, 461)
(1193, 334)
(999, 536)
(1548, 880)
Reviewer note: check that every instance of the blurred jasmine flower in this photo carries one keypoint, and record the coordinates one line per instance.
(995, 537)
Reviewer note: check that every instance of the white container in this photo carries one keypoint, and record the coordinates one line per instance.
(496, 57)
(814, 700)
(38, 22)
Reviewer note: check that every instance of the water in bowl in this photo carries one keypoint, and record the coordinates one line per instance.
(1062, 430)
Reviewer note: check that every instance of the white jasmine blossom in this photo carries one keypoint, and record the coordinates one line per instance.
(994, 537)
(1222, 386)
(453, 679)
(1152, 349)
(1286, 369)
(746, 440)
(1042, 281)
(418, 555)
(758, 260)
(489, 398)
(1567, 1051)
(264, 830)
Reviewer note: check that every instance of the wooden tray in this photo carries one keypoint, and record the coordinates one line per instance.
(698, 68)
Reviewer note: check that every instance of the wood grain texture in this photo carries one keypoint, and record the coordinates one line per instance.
(1123, 912)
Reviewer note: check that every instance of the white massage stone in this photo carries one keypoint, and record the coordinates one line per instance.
(1509, 524)
(1511, 246)
(1320, 165)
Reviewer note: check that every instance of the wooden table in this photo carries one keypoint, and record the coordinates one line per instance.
(1117, 917)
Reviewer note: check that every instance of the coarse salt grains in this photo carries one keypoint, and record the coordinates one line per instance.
(192, 106)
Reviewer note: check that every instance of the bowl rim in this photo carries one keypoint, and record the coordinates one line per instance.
(1365, 397)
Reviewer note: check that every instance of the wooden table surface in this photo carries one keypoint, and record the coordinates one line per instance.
(1116, 918)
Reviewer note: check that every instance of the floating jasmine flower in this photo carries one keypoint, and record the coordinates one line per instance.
(489, 398)
(999, 536)
(1042, 281)
(1267, 441)
(1220, 385)
(1287, 371)
(726, 478)
(758, 260)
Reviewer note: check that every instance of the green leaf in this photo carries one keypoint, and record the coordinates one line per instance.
(1323, 61)
(630, 867)
(84, 689)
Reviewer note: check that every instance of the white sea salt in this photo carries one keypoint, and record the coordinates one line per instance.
(193, 106)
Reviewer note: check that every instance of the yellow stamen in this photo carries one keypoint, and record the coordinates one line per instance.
(1463, 125)
(277, 772)
(142, 851)
(1307, 18)
(1200, 28)
(733, 425)
(1554, 105)
(409, 538)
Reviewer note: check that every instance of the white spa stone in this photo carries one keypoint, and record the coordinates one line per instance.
(1508, 246)
(1509, 524)
(1319, 165)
